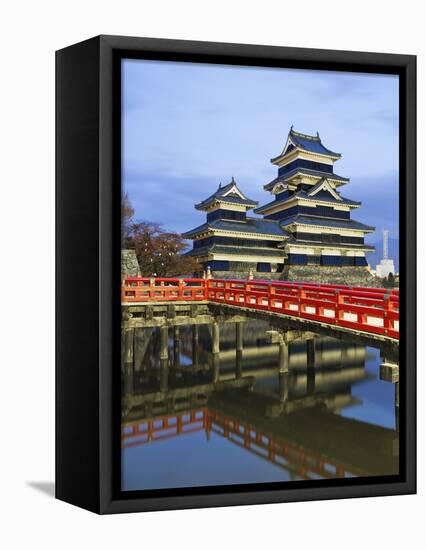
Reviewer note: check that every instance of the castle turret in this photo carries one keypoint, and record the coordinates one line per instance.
(231, 241)
(309, 206)
(308, 222)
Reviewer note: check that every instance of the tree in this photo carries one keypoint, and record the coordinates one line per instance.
(389, 281)
(127, 213)
(158, 252)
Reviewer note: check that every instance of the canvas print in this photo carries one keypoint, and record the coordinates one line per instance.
(260, 275)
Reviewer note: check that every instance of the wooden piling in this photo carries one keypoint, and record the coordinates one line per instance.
(195, 339)
(215, 367)
(176, 347)
(283, 356)
(129, 362)
(239, 346)
(164, 375)
(283, 386)
(215, 337)
(239, 335)
(310, 381)
(164, 342)
(310, 353)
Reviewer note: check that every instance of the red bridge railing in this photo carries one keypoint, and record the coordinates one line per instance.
(373, 310)
(162, 289)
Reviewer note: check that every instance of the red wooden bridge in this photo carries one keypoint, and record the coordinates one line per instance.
(369, 310)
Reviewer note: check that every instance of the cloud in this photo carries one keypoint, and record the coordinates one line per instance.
(380, 202)
(187, 127)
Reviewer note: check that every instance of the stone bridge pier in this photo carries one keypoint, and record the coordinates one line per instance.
(170, 320)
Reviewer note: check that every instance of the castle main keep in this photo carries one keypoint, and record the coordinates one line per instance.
(305, 231)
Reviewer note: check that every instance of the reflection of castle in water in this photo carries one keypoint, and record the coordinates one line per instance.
(276, 396)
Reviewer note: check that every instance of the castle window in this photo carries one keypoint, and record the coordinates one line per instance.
(219, 265)
(298, 259)
(303, 163)
(264, 267)
(226, 215)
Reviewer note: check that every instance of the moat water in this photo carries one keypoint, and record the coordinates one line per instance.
(199, 418)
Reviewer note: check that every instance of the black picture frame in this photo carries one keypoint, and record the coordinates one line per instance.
(88, 278)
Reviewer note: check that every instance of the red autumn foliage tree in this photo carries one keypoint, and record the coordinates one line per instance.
(158, 252)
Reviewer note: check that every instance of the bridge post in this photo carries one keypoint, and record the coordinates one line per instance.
(283, 386)
(344, 355)
(164, 375)
(239, 336)
(239, 364)
(128, 361)
(389, 372)
(164, 342)
(164, 358)
(176, 347)
(141, 343)
(319, 353)
(215, 337)
(195, 354)
(215, 351)
(310, 353)
(239, 348)
(215, 367)
(283, 355)
(310, 381)
(310, 366)
(207, 424)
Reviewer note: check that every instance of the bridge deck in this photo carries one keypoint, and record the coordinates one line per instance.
(362, 311)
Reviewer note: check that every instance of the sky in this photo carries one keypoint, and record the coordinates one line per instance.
(187, 127)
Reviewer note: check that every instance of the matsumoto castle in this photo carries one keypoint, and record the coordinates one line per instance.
(307, 223)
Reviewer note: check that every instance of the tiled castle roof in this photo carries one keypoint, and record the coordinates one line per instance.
(325, 222)
(309, 143)
(237, 250)
(251, 225)
(304, 195)
(221, 194)
(306, 171)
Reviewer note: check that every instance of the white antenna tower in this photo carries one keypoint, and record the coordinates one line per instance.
(385, 243)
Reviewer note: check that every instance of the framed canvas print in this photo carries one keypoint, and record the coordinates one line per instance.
(235, 274)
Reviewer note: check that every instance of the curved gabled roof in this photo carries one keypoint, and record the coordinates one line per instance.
(305, 196)
(305, 171)
(325, 222)
(311, 143)
(306, 142)
(227, 193)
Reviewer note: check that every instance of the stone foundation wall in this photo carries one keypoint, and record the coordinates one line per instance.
(129, 264)
(245, 274)
(345, 275)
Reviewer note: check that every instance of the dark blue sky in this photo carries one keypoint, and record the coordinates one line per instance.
(187, 127)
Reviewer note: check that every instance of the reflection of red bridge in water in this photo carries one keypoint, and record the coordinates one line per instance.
(369, 310)
(289, 456)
